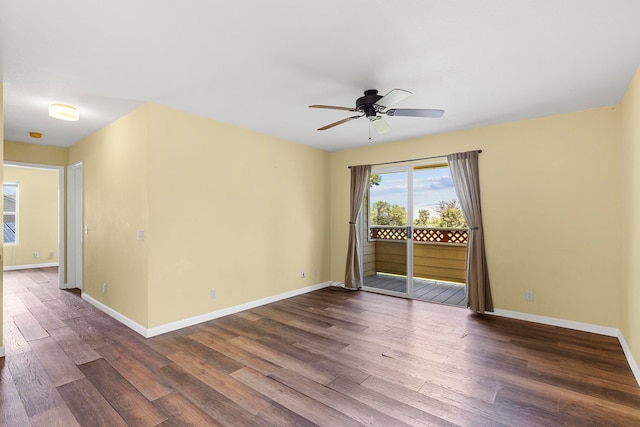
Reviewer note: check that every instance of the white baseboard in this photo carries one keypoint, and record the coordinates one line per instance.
(28, 266)
(1, 351)
(578, 326)
(632, 363)
(552, 321)
(116, 315)
(173, 326)
(163, 329)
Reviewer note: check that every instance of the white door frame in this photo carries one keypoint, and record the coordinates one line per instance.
(409, 258)
(74, 226)
(61, 240)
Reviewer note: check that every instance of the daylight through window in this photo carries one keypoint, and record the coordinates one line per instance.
(10, 222)
(435, 204)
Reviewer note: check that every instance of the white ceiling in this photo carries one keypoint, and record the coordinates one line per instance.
(259, 64)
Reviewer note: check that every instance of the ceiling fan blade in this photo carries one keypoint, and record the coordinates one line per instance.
(396, 95)
(415, 112)
(339, 122)
(380, 125)
(331, 107)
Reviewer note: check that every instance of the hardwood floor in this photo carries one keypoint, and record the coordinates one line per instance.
(330, 357)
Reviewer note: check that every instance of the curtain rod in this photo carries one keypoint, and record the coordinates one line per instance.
(410, 160)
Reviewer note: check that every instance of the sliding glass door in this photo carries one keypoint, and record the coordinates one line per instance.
(414, 235)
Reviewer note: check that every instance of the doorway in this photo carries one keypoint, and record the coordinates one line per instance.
(30, 247)
(414, 235)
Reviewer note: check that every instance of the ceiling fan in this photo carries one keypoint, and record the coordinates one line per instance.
(373, 106)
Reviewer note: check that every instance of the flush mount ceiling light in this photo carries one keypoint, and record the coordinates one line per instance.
(36, 135)
(64, 112)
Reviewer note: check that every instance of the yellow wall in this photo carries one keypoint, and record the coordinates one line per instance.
(551, 203)
(221, 208)
(37, 216)
(630, 324)
(115, 206)
(35, 153)
(232, 210)
(243, 213)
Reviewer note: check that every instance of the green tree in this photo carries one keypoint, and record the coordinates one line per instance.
(423, 218)
(383, 213)
(449, 215)
(374, 179)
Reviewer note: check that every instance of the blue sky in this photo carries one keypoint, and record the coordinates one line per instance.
(429, 187)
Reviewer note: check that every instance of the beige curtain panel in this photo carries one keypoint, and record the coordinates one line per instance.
(359, 183)
(466, 181)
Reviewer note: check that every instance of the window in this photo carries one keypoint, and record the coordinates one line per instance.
(10, 222)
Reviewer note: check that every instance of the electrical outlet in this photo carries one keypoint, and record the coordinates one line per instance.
(52, 254)
(302, 276)
(529, 296)
(212, 294)
(315, 271)
(104, 288)
(36, 254)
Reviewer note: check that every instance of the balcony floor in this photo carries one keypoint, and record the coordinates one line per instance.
(424, 289)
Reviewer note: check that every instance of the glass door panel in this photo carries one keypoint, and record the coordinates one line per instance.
(439, 240)
(387, 233)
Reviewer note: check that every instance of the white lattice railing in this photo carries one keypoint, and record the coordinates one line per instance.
(420, 234)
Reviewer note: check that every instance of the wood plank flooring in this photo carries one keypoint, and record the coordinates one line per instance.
(424, 289)
(330, 357)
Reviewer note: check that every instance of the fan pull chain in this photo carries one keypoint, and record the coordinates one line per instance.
(369, 129)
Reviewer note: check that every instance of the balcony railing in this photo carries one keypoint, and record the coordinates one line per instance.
(420, 234)
(438, 253)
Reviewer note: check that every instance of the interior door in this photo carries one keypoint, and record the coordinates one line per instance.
(386, 233)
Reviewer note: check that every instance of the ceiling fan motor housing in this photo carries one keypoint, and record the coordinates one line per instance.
(366, 103)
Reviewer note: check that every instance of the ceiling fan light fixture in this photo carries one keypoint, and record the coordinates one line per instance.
(380, 125)
(64, 112)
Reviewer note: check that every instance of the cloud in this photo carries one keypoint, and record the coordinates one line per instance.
(433, 183)
(385, 190)
(430, 186)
